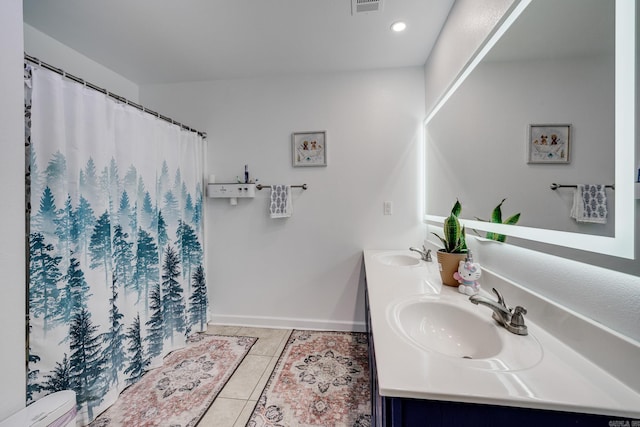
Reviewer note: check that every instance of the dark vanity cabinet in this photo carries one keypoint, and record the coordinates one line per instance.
(390, 411)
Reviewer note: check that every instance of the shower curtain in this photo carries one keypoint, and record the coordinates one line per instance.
(116, 276)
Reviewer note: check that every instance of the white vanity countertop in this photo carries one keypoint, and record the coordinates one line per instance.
(562, 379)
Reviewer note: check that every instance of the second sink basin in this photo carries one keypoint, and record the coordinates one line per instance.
(398, 259)
(468, 334)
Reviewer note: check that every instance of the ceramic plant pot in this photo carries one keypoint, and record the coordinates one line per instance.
(448, 264)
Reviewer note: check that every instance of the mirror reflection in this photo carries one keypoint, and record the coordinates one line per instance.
(554, 67)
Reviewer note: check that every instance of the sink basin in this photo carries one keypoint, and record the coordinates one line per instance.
(449, 330)
(398, 259)
(466, 333)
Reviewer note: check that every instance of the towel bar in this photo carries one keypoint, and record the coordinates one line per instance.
(555, 186)
(260, 186)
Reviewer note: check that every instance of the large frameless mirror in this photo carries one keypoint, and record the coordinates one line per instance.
(552, 66)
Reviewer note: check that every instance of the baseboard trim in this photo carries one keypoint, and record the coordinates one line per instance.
(287, 323)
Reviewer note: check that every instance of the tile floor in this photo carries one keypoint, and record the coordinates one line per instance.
(236, 401)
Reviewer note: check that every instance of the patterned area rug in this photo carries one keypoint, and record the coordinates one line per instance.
(321, 379)
(179, 392)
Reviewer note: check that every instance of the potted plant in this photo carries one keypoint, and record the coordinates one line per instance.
(455, 246)
(496, 217)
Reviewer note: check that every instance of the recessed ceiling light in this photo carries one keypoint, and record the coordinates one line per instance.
(398, 26)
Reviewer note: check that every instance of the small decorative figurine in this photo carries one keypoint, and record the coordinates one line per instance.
(467, 275)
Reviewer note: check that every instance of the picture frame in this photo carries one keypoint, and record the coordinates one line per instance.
(309, 148)
(549, 143)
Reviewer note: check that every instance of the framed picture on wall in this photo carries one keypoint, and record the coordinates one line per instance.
(549, 143)
(309, 148)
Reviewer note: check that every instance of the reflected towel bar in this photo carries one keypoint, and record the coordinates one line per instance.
(555, 186)
(260, 186)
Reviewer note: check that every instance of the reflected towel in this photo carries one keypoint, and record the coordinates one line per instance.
(280, 206)
(590, 204)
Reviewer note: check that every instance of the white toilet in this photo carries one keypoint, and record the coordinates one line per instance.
(57, 409)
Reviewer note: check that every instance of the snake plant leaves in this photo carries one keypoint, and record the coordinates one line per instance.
(512, 220)
(462, 245)
(496, 217)
(457, 208)
(454, 234)
(452, 231)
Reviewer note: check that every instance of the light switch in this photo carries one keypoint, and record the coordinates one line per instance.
(388, 208)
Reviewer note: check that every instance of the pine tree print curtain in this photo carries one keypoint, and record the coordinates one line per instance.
(116, 277)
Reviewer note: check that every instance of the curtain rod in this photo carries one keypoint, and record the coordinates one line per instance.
(122, 99)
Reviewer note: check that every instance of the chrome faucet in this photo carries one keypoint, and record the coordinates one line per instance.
(511, 320)
(425, 254)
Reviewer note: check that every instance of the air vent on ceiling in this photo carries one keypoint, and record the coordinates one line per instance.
(365, 6)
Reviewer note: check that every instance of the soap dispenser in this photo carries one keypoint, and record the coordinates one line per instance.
(467, 275)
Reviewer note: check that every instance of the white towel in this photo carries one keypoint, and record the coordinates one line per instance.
(590, 204)
(280, 206)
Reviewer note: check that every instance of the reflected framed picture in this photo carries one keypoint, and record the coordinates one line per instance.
(549, 143)
(309, 148)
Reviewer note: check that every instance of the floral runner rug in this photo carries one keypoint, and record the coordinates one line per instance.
(179, 392)
(321, 379)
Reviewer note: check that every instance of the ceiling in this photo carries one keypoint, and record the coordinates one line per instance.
(170, 41)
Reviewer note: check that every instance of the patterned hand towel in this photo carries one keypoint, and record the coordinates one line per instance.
(280, 206)
(590, 204)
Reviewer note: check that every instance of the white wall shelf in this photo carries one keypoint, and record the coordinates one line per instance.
(231, 191)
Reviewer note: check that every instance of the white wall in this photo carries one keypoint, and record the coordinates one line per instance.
(609, 297)
(51, 51)
(305, 271)
(12, 251)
